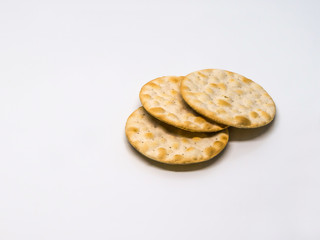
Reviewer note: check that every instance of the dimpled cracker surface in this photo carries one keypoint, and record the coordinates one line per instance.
(228, 98)
(167, 144)
(162, 99)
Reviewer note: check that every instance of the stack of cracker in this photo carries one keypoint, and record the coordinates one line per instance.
(185, 120)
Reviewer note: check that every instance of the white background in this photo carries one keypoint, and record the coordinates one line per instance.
(70, 75)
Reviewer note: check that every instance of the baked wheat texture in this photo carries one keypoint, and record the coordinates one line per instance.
(167, 144)
(228, 98)
(162, 99)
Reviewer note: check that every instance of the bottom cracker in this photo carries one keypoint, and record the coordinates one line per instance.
(167, 144)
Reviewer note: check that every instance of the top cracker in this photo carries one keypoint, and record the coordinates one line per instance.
(162, 99)
(228, 98)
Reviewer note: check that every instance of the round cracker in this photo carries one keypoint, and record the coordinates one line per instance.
(228, 98)
(167, 144)
(162, 99)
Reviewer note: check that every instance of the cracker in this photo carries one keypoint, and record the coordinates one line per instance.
(228, 98)
(167, 144)
(162, 99)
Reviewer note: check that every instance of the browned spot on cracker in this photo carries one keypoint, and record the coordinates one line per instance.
(190, 149)
(223, 103)
(177, 157)
(155, 102)
(202, 75)
(184, 140)
(133, 129)
(149, 135)
(171, 101)
(254, 114)
(171, 115)
(246, 80)
(222, 86)
(174, 80)
(159, 98)
(174, 92)
(156, 110)
(196, 158)
(186, 88)
(153, 85)
(209, 151)
(199, 120)
(213, 85)
(162, 153)
(146, 96)
(199, 94)
(196, 139)
(224, 138)
(221, 111)
(239, 91)
(187, 123)
(175, 145)
(207, 126)
(218, 144)
(265, 115)
(209, 90)
(159, 80)
(241, 120)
